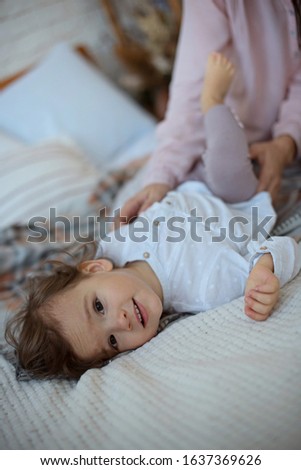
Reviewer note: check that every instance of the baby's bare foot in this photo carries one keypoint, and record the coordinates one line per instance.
(218, 78)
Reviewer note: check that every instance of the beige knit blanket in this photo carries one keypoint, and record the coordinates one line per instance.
(216, 380)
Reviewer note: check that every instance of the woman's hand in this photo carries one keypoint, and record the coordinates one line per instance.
(262, 289)
(141, 201)
(273, 156)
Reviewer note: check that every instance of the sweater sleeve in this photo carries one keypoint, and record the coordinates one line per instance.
(289, 120)
(180, 137)
(286, 254)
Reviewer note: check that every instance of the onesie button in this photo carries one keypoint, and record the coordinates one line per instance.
(263, 248)
(146, 254)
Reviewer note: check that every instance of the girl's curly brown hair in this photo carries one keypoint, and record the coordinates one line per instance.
(35, 334)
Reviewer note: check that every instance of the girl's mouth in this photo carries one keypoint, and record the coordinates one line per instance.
(140, 313)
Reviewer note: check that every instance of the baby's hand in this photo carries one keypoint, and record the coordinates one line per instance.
(262, 290)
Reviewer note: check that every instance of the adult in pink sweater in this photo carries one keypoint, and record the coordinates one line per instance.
(262, 39)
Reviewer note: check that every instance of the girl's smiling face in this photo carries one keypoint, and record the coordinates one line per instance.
(110, 310)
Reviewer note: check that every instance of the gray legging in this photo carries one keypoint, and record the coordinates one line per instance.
(228, 170)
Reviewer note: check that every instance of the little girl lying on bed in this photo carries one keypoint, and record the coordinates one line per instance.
(188, 253)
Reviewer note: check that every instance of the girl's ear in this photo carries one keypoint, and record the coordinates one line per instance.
(95, 265)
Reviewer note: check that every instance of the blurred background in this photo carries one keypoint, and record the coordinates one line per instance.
(132, 41)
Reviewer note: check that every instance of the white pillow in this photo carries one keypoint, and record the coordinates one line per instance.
(65, 95)
(52, 174)
(145, 145)
(9, 144)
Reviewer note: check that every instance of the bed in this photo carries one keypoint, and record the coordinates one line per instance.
(216, 380)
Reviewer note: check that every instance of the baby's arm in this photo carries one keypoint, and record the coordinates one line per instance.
(262, 289)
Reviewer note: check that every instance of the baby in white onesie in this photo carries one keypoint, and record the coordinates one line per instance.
(190, 252)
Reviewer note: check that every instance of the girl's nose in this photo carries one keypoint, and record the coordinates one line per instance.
(123, 320)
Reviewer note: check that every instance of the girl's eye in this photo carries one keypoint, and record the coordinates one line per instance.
(98, 306)
(112, 341)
